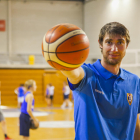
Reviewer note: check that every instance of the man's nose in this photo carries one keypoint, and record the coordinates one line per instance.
(114, 48)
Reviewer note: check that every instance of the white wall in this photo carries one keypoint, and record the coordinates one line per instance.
(99, 12)
(32, 19)
(3, 35)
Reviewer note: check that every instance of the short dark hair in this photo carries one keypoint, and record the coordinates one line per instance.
(22, 85)
(114, 28)
(50, 84)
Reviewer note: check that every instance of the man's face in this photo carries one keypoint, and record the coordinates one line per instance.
(114, 49)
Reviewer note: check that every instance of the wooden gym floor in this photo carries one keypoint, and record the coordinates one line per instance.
(55, 124)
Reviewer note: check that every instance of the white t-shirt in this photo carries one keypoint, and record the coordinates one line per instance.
(67, 90)
(51, 90)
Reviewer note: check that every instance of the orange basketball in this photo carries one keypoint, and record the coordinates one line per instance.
(65, 47)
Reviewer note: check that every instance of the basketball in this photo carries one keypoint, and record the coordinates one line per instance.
(65, 47)
(32, 125)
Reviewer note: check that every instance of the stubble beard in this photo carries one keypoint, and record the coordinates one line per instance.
(112, 61)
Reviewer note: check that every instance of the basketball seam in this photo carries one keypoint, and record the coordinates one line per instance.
(71, 52)
(63, 66)
(49, 42)
(67, 52)
(63, 35)
(66, 40)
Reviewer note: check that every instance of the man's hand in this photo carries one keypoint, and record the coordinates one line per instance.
(36, 122)
(74, 76)
(137, 129)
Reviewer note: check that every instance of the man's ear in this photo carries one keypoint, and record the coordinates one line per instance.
(101, 47)
(127, 46)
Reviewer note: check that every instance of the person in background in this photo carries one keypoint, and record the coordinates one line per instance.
(20, 93)
(27, 108)
(66, 93)
(51, 93)
(47, 95)
(4, 127)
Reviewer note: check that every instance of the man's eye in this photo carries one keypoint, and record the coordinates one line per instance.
(109, 42)
(119, 42)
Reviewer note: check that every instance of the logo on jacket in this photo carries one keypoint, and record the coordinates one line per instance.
(129, 98)
(99, 91)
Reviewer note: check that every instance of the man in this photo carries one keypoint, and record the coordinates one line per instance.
(106, 97)
(3, 124)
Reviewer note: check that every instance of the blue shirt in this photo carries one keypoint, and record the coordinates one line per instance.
(105, 105)
(20, 92)
(24, 104)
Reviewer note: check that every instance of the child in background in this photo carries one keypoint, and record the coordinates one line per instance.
(66, 93)
(47, 95)
(3, 125)
(20, 92)
(27, 108)
(51, 93)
